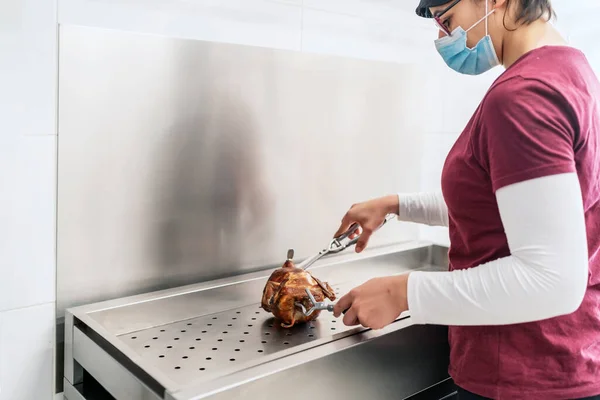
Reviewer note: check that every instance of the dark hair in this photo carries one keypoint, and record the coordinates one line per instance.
(529, 11)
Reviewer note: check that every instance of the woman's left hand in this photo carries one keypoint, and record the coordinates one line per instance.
(376, 303)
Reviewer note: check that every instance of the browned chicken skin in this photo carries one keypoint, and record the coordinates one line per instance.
(285, 287)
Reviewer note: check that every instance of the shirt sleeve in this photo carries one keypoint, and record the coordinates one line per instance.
(424, 208)
(545, 276)
(528, 130)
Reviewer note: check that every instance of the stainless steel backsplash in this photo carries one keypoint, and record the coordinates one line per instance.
(181, 161)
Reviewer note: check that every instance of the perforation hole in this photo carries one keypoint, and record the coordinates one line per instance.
(198, 339)
(169, 347)
(147, 346)
(237, 349)
(264, 341)
(177, 367)
(176, 338)
(202, 369)
(232, 359)
(260, 351)
(134, 337)
(209, 358)
(161, 356)
(162, 330)
(215, 349)
(219, 340)
(189, 324)
(183, 331)
(154, 338)
(242, 341)
(192, 348)
(185, 357)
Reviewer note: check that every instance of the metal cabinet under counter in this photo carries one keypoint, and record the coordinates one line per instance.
(212, 341)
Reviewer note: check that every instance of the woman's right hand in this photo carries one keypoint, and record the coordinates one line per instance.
(369, 215)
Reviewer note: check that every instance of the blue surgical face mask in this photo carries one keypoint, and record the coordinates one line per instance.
(460, 58)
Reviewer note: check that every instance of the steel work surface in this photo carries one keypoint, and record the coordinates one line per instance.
(188, 337)
(190, 349)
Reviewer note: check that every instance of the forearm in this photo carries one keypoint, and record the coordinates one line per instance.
(424, 208)
(545, 276)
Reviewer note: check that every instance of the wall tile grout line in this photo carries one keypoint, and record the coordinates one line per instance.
(302, 27)
(347, 14)
(29, 306)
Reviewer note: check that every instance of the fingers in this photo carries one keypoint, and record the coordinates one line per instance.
(356, 233)
(365, 215)
(344, 303)
(346, 222)
(363, 242)
(351, 317)
(344, 227)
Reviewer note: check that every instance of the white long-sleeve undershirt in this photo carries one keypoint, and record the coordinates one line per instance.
(424, 208)
(545, 276)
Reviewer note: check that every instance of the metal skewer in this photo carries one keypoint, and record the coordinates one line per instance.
(316, 305)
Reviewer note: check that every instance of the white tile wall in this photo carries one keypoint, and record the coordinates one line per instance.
(371, 29)
(27, 209)
(27, 353)
(398, 12)
(578, 21)
(250, 22)
(406, 40)
(294, 2)
(28, 61)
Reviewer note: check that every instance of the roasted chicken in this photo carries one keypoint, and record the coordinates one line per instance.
(286, 287)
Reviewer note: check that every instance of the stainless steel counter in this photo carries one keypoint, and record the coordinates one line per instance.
(212, 340)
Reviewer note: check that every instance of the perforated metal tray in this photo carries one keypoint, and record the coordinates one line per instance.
(188, 350)
(189, 337)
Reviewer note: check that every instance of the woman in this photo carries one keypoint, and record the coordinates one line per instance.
(521, 190)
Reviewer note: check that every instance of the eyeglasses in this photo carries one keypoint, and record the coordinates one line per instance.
(438, 18)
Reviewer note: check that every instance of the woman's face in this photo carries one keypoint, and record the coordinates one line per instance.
(465, 14)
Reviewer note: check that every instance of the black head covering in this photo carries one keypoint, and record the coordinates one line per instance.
(423, 9)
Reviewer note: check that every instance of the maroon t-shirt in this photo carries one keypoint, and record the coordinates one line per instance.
(541, 117)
